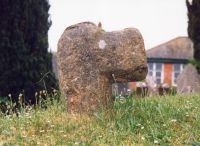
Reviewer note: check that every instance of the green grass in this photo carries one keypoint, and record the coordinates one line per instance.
(169, 120)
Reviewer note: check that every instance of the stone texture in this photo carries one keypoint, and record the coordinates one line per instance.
(90, 60)
(188, 81)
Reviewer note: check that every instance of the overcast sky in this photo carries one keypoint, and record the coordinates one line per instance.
(157, 20)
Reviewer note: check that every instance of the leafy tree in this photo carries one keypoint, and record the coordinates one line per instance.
(194, 28)
(25, 63)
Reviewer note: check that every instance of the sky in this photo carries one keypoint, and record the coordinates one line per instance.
(158, 20)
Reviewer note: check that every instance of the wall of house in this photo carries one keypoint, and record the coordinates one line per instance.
(168, 74)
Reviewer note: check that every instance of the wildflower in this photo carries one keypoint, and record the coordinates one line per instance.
(20, 99)
(142, 138)
(27, 114)
(76, 143)
(55, 92)
(44, 92)
(187, 107)
(52, 126)
(9, 95)
(36, 93)
(142, 127)
(8, 106)
(41, 131)
(156, 142)
(173, 120)
(30, 108)
(138, 124)
(164, 125)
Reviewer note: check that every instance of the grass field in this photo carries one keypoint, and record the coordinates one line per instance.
(167, 120)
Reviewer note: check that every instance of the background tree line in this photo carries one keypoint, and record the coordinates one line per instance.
(194, 28)
(25, 63)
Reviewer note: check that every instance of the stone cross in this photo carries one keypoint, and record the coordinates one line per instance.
(90, 60)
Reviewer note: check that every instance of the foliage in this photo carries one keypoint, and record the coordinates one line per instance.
(25, 63)
(194, 63)
(166, 120)
(194, 28)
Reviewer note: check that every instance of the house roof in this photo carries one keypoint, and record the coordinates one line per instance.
(180, 48)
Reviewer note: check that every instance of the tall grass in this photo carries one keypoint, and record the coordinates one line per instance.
(167, 120)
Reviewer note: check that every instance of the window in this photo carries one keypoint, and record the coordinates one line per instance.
(150, 69)
(156, 70)
(177, 69)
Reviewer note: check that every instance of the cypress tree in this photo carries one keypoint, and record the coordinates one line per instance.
(194, 28)
(25, 63)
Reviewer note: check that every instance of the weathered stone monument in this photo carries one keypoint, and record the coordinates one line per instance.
(188, 81)
(90, 60)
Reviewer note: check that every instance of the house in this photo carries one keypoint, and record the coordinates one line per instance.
(166, 61)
